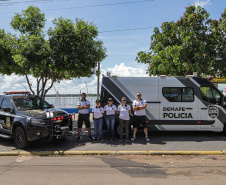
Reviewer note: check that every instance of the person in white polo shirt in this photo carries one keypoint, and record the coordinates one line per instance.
(139, 106)
(124, 112)
(83, 106)
(98, 113)
(110, 111)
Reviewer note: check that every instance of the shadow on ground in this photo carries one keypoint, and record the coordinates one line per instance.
(157, 138)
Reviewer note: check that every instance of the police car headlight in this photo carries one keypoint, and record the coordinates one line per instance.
(37, 121)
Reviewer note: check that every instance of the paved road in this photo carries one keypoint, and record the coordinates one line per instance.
(95, 170)
(160, 141)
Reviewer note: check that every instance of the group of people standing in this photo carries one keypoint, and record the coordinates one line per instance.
(110, 110)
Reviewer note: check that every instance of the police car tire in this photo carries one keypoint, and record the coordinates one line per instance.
(20, 138)
(63, 139)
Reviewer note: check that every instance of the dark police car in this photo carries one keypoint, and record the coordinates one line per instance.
(25, 117)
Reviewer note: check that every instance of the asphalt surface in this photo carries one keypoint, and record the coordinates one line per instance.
(95, 170)
(160, 141)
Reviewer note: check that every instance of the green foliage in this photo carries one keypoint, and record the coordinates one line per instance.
(186, 46)
(219, 30)
(72, 50)
(31, 21)
(6, 59)
(75, 46)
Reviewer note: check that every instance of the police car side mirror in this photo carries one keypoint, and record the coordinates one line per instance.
(51, 105)
(224, 103)
(6, 109)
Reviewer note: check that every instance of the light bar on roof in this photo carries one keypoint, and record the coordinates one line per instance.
(16, 92)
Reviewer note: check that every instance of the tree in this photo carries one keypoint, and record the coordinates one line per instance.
(5, 53)
(72, 50)
(183, 47)
(218, 27)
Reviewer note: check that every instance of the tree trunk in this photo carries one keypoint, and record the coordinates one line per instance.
(41, 91)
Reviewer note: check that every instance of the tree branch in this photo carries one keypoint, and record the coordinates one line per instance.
(49, 88)
(29, 84)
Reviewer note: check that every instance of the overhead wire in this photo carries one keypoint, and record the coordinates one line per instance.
(129, 29)
(111, 4)
(109, 31)
(30, 1)
(93, 6)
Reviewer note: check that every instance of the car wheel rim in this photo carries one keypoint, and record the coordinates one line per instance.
(19, 138)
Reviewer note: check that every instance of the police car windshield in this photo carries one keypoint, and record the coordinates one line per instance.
(30, 103)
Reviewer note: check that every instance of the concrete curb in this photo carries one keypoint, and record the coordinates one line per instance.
(65, 153)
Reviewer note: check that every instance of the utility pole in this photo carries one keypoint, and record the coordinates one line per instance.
(87, 89)
(98, 80)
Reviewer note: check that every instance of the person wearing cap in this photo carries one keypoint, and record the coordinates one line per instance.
(110, 111)
(139, 106)
(124, 112)
(83, 106)
(98, 113)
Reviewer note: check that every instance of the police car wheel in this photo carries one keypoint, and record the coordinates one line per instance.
(20, 138)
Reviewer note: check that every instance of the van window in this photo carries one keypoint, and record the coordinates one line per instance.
(178, 94)
(211, 95)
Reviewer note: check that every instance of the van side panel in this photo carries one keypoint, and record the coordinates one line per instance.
(162, 112)
(149, 90)
(175, 113)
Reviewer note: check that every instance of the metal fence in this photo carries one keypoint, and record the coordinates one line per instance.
(68, 102)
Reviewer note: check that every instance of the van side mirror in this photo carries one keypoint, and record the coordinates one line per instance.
(7, 109)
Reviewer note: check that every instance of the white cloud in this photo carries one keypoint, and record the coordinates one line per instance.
(74, 86)
(123, 70)
(50, 19)
(202, 3)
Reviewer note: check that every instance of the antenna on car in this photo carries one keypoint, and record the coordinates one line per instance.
(14, 84)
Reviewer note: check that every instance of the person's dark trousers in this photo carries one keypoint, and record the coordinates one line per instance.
(124, 123)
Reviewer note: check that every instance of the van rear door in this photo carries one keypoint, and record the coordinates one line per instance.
(178, 108)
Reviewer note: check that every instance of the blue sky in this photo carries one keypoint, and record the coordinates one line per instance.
(122, 46)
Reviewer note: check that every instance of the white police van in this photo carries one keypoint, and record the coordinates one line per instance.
(173, 103)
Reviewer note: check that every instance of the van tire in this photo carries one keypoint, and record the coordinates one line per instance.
(20, 138)
(224, 129)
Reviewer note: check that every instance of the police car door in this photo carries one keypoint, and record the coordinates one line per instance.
(178, 110)
(7, 117)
